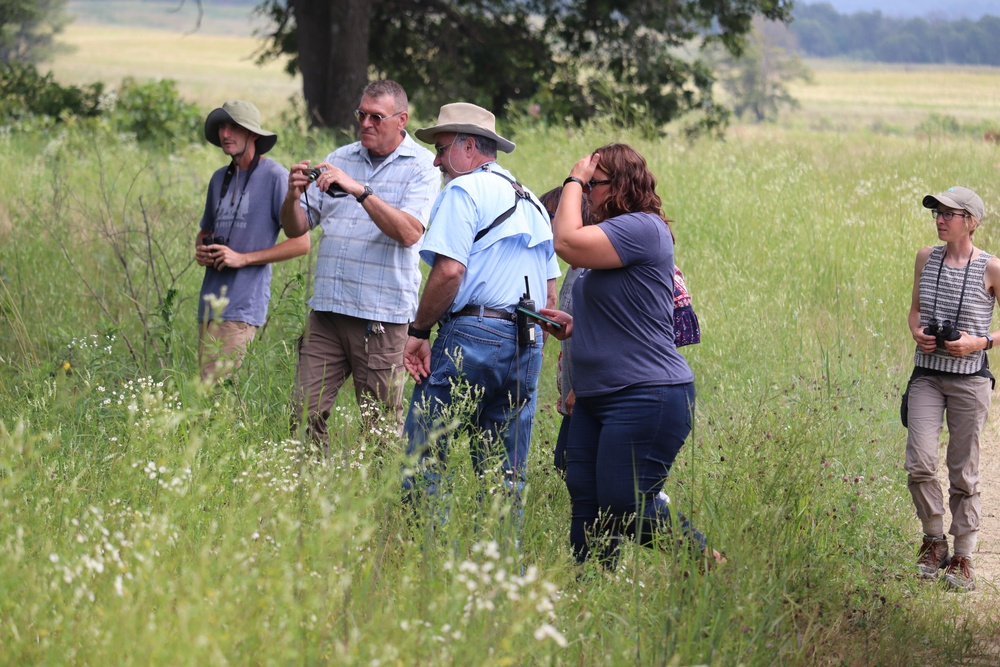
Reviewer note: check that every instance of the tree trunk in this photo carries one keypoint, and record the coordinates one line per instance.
(333, 57)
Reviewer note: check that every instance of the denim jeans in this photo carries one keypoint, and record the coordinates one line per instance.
(502, 377)
(621, 448)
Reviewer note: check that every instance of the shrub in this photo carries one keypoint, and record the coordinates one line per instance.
(155, 113)
(24, 93)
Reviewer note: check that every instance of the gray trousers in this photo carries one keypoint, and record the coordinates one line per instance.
(965, 403)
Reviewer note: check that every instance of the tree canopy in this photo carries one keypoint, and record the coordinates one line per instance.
(27, 28)
(823, 32)
(568, 58)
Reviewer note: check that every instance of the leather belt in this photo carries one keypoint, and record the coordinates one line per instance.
(493, 313)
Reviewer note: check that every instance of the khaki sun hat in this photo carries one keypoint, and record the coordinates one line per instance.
(465, 118)
(960, 198)
(246, 116)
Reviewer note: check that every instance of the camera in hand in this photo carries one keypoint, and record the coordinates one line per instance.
(334, 190)
(525, 326)
(211, 239)
(942, 331)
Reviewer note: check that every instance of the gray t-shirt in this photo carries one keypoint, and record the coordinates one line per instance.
(623, 320)
(248, 218)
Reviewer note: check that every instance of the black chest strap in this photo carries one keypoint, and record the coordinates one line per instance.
(519, 194)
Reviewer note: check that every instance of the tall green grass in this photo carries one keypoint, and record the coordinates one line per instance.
(147, 520)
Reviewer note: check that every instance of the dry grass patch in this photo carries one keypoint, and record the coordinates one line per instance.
(857, 95)
(208, 68)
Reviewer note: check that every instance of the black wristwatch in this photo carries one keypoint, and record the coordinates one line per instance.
(422, 334)
(989, 341)
(364, 195)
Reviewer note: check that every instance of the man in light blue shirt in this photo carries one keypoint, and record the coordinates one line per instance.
(489, 244)
(373, 199)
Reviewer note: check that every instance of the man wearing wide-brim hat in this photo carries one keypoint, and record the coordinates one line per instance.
(490, 249)
(236, 242)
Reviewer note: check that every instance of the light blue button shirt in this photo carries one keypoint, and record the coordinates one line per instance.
(496, 265)
(361, 272)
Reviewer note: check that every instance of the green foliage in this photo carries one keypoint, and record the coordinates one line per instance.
(942, 125)
(28, 28)
(153, 111)
(823, 32)
(24, 93)
(156, 114)
(571, 59)
(757, 81)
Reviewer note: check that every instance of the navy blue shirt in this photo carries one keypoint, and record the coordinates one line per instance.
(623, 320)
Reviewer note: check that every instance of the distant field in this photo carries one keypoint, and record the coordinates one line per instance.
(209, 67)
(848, 95)
(217, 18)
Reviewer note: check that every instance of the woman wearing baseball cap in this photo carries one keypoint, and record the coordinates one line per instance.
(955, 287)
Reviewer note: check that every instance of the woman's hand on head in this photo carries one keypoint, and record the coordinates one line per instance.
(584, 169)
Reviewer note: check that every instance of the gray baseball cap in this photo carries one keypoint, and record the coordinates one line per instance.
(246, 116)
(960, 198)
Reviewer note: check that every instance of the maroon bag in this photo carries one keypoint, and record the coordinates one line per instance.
(686, 328)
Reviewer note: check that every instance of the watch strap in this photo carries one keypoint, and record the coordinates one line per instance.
(364, 195)
(422, 334)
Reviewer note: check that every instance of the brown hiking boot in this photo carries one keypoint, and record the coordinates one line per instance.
(932, 557)
(960, 574)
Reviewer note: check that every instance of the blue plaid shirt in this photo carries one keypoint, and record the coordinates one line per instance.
(361, 272)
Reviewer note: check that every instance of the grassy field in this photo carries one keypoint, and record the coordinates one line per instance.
(147, 520)
(216, 63)
(209, 68)
(870, 95)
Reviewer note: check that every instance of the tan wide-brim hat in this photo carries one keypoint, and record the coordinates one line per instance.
(465, 118)
(246, 116)
(958, 197)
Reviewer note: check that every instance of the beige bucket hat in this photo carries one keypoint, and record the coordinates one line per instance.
(465, 118)
(246, 116)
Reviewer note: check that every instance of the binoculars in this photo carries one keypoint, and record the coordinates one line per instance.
(942, 331)
(334, 190)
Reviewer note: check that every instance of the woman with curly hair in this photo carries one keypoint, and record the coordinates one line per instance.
(634, 391)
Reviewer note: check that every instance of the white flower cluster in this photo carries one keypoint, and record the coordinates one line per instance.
(178, 483)
(276, 465)
(148, 402)
(96, 553)
(104, 343)
(489, 582)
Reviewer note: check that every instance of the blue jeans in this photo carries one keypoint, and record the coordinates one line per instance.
(502, 377)
(621, 448)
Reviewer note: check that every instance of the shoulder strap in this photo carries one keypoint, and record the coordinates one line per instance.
(519, 194)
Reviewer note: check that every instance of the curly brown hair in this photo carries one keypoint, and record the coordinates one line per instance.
(633, 186)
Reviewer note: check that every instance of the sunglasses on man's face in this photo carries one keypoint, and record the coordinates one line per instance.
(376, 118)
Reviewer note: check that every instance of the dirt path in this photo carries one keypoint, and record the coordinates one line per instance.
(987, 555)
